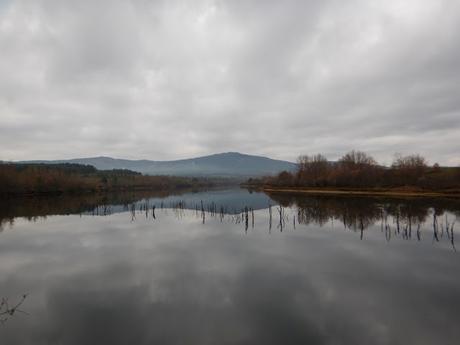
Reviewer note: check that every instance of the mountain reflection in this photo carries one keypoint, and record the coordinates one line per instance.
(212, 201)
(396, 218)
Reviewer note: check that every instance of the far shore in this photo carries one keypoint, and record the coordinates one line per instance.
(357, 192)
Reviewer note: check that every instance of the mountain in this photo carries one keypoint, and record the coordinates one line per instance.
(231, 164)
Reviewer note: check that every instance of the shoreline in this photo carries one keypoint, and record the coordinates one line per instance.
(98, 192)
(356, 192)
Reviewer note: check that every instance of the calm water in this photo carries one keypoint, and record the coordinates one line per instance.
(319, 270)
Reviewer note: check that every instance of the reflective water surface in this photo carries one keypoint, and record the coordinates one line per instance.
(229, 267)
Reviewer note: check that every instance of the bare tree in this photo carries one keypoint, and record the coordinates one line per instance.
(414, 161)
(313, 170)
(357, 159)
(409, 168)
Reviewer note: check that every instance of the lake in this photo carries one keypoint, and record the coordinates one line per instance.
(229, 267)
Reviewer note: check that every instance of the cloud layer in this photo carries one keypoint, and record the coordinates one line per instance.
(174, 79)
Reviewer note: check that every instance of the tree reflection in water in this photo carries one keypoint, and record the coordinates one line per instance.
(401, 218)
(398, 218)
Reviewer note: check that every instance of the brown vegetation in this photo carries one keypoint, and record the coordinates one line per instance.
(359, 171)
(75, 178)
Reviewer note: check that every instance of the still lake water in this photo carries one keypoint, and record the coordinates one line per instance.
(320, 270)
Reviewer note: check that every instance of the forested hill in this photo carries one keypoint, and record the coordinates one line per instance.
(230, 164)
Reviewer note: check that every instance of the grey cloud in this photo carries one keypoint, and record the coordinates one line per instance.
(172, 79)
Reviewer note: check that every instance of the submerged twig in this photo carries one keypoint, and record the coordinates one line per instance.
(6, 311)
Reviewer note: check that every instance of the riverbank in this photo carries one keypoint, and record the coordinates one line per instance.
(392, 192)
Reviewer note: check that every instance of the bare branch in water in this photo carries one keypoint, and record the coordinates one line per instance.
(6, 311)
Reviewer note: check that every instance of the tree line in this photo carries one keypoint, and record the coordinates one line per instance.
(77, 178)
(357, 169)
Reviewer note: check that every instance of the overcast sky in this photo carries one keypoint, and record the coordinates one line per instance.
(174, 79)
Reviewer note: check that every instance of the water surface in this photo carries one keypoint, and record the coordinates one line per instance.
(215, 268)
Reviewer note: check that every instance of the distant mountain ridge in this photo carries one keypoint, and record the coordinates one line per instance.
(231, 164)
